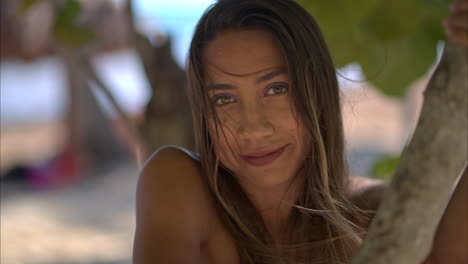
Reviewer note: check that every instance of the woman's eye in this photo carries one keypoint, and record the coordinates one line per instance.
(277, 89)
(223, 100)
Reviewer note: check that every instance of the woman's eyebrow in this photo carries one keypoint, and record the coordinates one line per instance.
(220, 86)
(270, 75)
(263, 78)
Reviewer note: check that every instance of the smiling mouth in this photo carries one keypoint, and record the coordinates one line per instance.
(265, 157)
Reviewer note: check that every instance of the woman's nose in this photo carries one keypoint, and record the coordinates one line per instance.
(254, 124)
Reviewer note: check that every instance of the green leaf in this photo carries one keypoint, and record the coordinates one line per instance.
(393, 20)
(331, 20)
(391, 68)
(341, 26)
(434, 11)
(358, 10)
(74, 35)
(68, 13)
(25, 5)
(385, 168)
(65, 28)
(435, 8)
(347, 47)
(394, 41)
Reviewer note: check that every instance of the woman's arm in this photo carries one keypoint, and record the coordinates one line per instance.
(451, 239)
(171, 218)
(366, 194)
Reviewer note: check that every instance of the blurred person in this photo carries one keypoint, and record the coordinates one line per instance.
(269, 184)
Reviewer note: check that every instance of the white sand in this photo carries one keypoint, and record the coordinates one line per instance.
(92, 222)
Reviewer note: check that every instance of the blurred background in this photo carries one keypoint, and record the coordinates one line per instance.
(89, 88)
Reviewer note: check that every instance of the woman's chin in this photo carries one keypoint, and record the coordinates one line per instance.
(265, 180)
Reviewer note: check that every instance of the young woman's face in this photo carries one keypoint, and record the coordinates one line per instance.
(261, 138)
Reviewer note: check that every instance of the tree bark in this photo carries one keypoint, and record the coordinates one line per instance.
(403, 229)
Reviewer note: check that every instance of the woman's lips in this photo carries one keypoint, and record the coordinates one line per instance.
(263, 158)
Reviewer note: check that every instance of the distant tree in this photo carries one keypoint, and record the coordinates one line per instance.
(90, 137)
(166, 117)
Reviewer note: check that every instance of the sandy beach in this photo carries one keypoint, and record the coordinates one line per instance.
(31, 143)
(90, 222)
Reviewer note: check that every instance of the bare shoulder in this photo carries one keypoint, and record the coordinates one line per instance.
(361, 186)
(173, 209)
(172, 159)
(366, 194)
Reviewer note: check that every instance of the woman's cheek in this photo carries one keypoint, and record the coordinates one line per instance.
(280, 112)
(227, 123)
(224, 140)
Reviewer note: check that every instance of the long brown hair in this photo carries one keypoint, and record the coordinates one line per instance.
(319, 229)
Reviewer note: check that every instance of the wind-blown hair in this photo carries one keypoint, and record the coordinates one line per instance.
(319, 229)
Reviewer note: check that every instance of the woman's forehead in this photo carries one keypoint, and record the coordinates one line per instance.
(242, 53)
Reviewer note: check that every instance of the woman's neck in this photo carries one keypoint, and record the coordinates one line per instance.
(274, 203)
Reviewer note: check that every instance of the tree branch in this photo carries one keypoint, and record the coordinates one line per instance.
(91, 73)
(142, 44)
(403, 229)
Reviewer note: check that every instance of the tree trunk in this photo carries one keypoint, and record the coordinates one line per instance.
(89, 130)
(167, 119)
(403, 229)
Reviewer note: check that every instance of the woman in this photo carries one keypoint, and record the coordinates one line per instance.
(270, 183)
